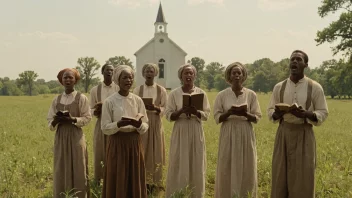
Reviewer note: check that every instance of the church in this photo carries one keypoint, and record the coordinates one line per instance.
(162, 51)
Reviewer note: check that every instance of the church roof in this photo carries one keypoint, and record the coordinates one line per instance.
(153, 39)
(160, 18)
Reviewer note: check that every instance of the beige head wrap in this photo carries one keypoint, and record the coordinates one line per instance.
(74, 71)
(180, 70)
(118, 70)
(229, 69)
(150, 65)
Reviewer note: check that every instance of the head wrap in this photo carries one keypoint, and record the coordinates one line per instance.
(150, 65)
(74, 71)
(118, 70)
(180, 70)
(229, 70)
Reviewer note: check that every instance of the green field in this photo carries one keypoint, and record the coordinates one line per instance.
(26, 148)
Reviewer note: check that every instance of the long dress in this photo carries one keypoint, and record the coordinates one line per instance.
(98, 94)
(70, 150)
(236, 173)
(153, 141)
(124, 171)
(187, 157)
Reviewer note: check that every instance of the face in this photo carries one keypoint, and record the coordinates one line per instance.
(236, 76)
(149, 73)
(68, 79)
(188, 76)
(297, 64)
(125, 80)
(108, 71)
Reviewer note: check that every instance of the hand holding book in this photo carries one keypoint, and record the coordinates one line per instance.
(97, 109)
(133, 121)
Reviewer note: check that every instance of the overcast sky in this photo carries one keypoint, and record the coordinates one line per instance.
(48, 35)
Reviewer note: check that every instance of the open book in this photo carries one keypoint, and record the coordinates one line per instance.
(63, 113)
(242, 107)
(147, 101)
(195, 100)
(137, 118)
(286, 107)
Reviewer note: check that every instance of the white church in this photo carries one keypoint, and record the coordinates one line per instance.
(162, 51)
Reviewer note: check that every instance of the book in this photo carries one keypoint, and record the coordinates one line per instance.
(286, 107)
(242, 107)
(195, 100)
(137, 118)
(147, 101)
(63, 113)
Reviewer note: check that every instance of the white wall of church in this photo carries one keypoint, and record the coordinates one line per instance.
(145, 56)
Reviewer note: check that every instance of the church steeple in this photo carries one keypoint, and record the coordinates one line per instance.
(160, 18)
(160, 22)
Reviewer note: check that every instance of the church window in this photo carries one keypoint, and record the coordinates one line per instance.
(161, 68)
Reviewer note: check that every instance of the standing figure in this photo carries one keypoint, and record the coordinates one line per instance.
(97, 96)
(68, 113)
(236, 108)
(187, 157)
(153, 141)
(121, 120)
(294, 157)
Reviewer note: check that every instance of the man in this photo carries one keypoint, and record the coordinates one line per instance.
(97, 95)
(293, 165)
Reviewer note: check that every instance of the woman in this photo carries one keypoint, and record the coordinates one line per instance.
(187, 161)
(124, 171)
(70, 151)
(236, 173)
(153, 141)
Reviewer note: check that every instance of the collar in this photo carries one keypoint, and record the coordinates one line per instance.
(111, 85)
(154, 85)
(70, 94)
(123, 97)
(302, 80)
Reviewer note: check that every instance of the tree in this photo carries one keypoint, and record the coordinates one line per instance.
(199, 64)
(27, 79)
(119, 60)
(340, 30)
(212, 69)
(87, 67)
(220, 82)
(10, 89)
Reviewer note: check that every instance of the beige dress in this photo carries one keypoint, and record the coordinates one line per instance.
(70, 151)
(98, 94)
(293, 165)
(187, 157)
(124, 171)
(236, 173)
(153, 141)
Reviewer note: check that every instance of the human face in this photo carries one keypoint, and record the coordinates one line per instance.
(107, 73)
(297, 64)
(188, 76)
(236, 76)
(126, 80)
(68, 80)
(149, 74)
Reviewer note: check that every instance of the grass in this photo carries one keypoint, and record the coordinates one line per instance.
(26, 149)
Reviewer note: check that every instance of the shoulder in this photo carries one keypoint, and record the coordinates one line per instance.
(93, 89)
(82, 96)
(161, 87)
(223, 92)
(279, 85)
(136, 97)
(199, 90)
(55, 98)
(250, 92)
(175, 91)
(110, 98)
(315, 85)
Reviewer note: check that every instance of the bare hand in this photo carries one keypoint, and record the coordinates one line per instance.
(240, 113)
(136, 124)
(123, 123)
(299, 113)
(278, 114)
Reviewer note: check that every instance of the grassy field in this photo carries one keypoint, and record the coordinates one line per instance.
(26, 148)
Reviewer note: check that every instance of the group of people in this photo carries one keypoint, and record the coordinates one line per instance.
(129, 148)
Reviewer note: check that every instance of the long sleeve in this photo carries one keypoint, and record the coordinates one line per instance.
(275, 98)
(163, 99)
(141, 109)
(51, 115)
(108, 126)
(93, 99)
(171, 106)
(255, 107)
(320, 106)
(218, 108)
(206, 108)
(85, 115)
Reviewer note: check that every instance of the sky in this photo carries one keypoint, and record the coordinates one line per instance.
(48, 35)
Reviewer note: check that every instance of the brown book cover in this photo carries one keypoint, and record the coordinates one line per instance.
(242, 107)
(63, 113)
(137, 118)
(286, 107)
(147, 101)
(195, 100)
